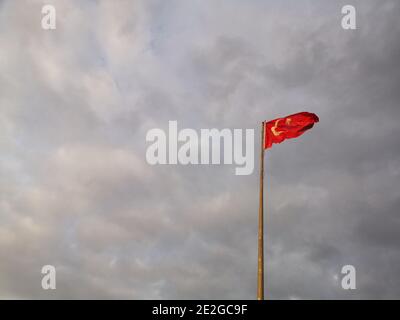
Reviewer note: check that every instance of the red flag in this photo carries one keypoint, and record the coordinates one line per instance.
(278, 130)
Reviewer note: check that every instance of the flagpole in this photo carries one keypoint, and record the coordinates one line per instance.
(260, 274)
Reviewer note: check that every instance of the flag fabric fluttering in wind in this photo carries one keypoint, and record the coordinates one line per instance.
(292, 126)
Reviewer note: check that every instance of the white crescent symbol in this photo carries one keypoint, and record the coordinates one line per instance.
(273, 129)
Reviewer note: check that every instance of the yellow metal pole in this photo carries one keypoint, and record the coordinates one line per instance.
(260, 275)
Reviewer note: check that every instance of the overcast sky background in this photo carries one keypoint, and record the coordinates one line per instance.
(76, 191)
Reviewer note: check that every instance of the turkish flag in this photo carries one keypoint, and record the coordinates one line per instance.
(278, 130)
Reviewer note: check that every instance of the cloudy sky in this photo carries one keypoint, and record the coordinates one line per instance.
(76, 191)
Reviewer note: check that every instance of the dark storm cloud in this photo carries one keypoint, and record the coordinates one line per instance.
(76, 191)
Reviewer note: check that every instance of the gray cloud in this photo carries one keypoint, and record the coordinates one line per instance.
(77, 193)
